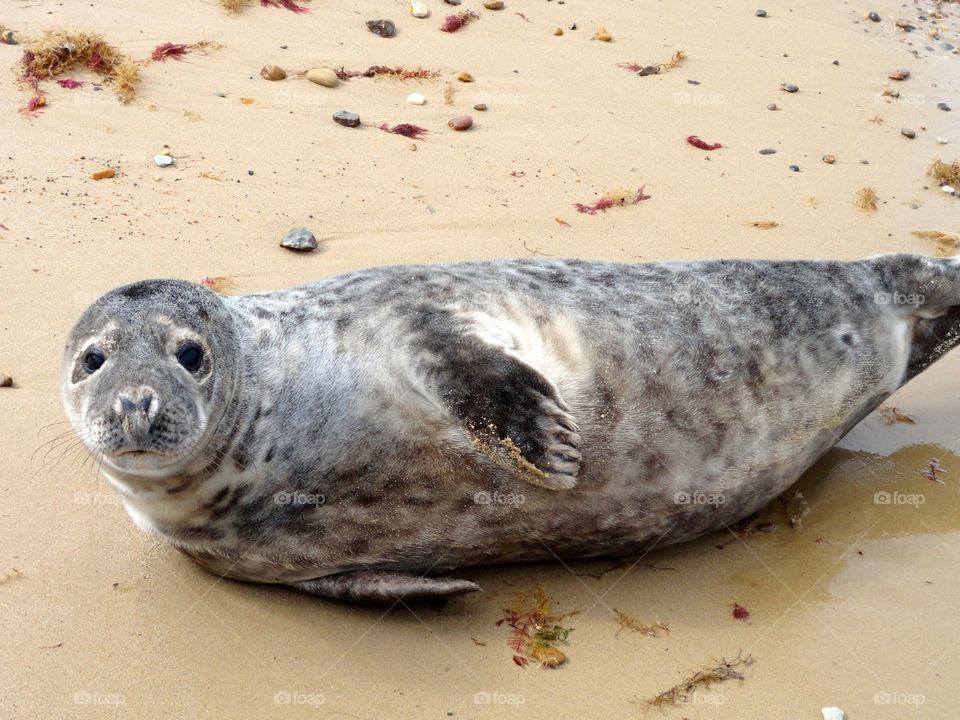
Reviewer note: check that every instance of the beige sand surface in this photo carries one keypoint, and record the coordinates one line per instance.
(104, 621)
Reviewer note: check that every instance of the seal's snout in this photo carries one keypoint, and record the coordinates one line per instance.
(136, 410)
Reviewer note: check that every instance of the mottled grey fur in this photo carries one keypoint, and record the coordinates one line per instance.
(353, 436)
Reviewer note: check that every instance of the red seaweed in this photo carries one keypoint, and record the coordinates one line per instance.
(288, 4)
(169, 50)
(399, 72)
(452, 23)
(34, 104)
(698, 143)
(414, 132)
(70, 83)
(608, 201)
(740, 612)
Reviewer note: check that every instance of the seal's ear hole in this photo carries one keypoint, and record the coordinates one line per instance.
(92, 360)
(190, 356)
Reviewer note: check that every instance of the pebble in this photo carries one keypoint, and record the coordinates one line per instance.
(299, 239)
(943, 106)
(219, 93)
(864, 162)
(946, 46)
(874, 15)
(558, 32)
(693, 82)
(464, 77)
(462, 122)
(768, 151)
(836, 62)
(272, 72)
(772, 106)
(948, 189)
(419, 9)
(452, 2)
(901, 74)
(162, 160)
(416, 99)
(603, 35)
(766, 527)
(346, 118)
(10, 38)
(6, 380)
(795, 168)
(942, 140)
(761, 13)
(323, 76)
(493, 5)
(829, 159)
(383, 28)
(833, 713)
(480, 107)
(790, 87)
(908, 133)
(649, 70)
(904, 25)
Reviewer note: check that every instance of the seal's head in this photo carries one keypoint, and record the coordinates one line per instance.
(148, 372)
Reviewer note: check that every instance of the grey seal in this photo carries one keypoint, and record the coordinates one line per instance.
(358, 437)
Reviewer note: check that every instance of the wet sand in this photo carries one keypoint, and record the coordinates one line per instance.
(855, 608)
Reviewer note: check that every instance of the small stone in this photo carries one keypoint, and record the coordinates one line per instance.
(946, 46)
(602, 35)
(833, 713)
(346, 118)
(874, 15)
(900, 74)
(558, 32)
(573, 26)
(649, 70)
(943, 106)
(383, 28)
(416, 99)
(323, 76)
(904, 25)
(452, 2)
(790, 87)
(836, 62)
(219, 93)
(9, 37)
(772, 106)
(299, 239)
(162, 160)
(908, 133)
(693, 82)
(768, 151)
(493, 5)
(419, 9)
(761, 13)
(6, 380)
(272, 72)
(462, 122)
(864, 162)
(766, 527)
(480, 107)
(942, 140)
(795, 168)
(948, 189)
(465, 77)
(829, 159)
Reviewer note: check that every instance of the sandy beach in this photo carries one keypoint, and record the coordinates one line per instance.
(854, 608)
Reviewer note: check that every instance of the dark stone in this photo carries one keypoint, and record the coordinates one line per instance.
(383, 28)
(768, 151)
(299, 239)
(346, 118)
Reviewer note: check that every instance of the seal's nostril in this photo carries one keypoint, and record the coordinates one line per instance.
(143, 405)
(127, 405)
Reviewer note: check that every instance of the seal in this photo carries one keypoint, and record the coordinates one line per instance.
(359, 437)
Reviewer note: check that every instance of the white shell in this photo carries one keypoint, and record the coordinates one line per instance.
(833, 713)
(416, 99)
(942, 140)
(949, 189)
(162, 160)
(419, 9)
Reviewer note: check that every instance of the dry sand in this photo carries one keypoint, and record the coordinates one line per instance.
(104, 621)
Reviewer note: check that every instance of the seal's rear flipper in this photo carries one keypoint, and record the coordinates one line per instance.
(380, 587)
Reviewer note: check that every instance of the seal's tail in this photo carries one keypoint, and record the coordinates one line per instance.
(929, 290)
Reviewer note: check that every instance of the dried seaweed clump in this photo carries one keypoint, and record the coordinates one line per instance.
(535, 629)
(237, 5)
(57, 51)
(628, 622)
(684, 690)
(867, 198)
(616, 198)
(642, 70)
(945, 173)
(400, 73)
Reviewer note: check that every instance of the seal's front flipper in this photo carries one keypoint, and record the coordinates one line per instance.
(512, 411)
(379, 587)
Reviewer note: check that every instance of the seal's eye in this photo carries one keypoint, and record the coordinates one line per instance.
(190, 355)
(92, 360)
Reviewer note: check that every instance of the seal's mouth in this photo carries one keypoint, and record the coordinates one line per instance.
(141, 462)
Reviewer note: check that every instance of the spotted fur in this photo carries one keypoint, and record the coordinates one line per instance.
(395, 422)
